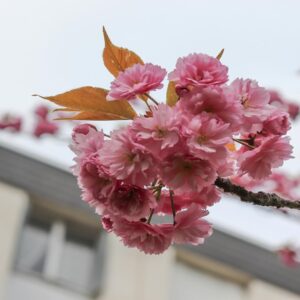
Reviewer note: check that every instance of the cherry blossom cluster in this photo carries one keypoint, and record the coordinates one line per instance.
(42, 125)
(152, 181)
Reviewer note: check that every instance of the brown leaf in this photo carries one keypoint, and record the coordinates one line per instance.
(172, 96)
(91, 104)
(117, 59)
(220, 54)
(92, 116)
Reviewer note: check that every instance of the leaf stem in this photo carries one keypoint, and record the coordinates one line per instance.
(242, 142)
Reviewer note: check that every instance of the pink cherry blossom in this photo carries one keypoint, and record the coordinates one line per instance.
(131, 202)
(285, 185)
(42, 111)
(151, 239)
(136, 80)
(207, 137)
(288, 256)
(87, 140)
(190, 228)
(255, 100)
(277, 123)
(12, 123)
(197, 70)
(43, 127)
(128, 160)
(277, 100)
(271, 153)
(159, 133)
(293, 110)
(246, 181)
(187, 174)
(96, 183)
(218, 102)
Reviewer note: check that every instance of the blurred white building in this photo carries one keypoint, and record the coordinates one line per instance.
(52, 248)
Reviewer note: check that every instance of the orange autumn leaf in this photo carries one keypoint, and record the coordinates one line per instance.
(117, 59)
(90, 104)
(172, 96)
(220, 54)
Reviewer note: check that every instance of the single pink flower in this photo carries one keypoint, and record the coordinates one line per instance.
(198, 70)
(42, 111)
(12, 123)
(96, 183)
(288, 256)
(128, 160)
(190, 228)
(278, 101)
(255, 102)
(131, 202)
(187, 174)
(218, 102)
(160, 134)
(136, 80)
(207, 137)
(246, 181)
(87, 140)
(43, 127)
(277, 123)
(293, 110)
(284, 185)
(151, 239)
(269, 154)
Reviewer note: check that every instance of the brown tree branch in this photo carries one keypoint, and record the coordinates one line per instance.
(259, 198)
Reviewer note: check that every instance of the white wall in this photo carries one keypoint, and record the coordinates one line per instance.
(192, 284)
(132, 275)
(13, 206)
(258, 290)
(30, 288)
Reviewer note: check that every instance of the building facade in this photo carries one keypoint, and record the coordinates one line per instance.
(52, 247)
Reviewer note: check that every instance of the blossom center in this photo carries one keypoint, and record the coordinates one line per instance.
(130, 157)
(201, 139)
(245, 101)
(160, 132)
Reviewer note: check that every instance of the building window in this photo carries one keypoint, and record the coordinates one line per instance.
(61, 255)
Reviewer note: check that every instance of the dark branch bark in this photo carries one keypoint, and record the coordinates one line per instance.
(259, 198)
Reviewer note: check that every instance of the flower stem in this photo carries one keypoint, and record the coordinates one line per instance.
(173, 206)
(158, 193)
(151, 98)
(150, 216)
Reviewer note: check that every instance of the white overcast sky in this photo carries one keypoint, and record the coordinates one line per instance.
(48, 47)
